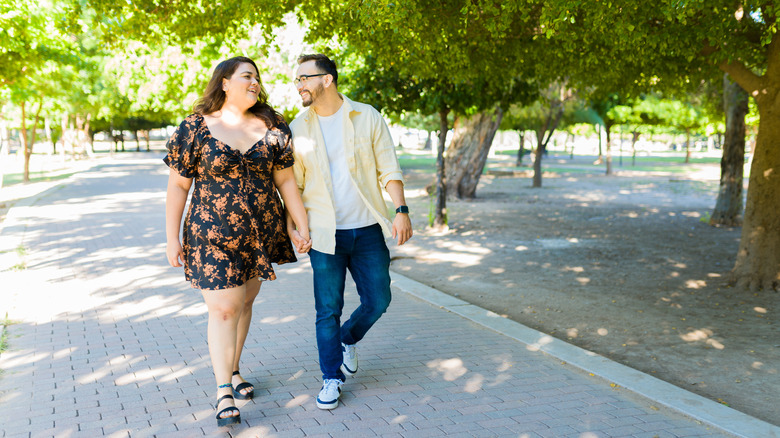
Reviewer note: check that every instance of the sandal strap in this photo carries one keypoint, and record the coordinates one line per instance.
(230, 408)
(222, 398)
(243, 386)
(235, 373)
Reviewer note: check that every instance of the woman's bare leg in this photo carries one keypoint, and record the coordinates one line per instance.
(225, 308)
(252, 290)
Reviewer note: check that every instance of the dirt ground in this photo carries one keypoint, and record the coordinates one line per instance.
(624, 266)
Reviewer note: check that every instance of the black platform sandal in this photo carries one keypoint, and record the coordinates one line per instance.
(227, 421)
(237, 390)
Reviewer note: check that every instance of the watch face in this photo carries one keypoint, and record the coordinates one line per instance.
(402, 209)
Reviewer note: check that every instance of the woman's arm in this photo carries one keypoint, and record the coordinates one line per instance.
(176, 198)
(284, 180)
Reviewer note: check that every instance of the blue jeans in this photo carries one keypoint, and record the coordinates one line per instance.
(363, 251)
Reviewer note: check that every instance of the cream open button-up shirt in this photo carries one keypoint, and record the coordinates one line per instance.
(372, 163)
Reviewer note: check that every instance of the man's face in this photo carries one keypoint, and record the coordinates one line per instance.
(309, 87)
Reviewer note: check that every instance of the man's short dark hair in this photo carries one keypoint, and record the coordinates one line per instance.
(323, 63)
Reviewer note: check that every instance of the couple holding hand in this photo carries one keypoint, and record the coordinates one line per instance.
(238, 153)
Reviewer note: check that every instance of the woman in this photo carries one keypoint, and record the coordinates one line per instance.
(237, 151)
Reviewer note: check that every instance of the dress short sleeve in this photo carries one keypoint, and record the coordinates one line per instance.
(283, 151)
(183, 151)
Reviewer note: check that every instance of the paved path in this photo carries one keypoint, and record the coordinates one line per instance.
(109, 341)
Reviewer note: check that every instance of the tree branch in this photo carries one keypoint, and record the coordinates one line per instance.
(742, 75)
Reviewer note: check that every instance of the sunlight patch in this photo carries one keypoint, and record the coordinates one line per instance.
(451, 369)
(695, 284)
(696, 335)
(474, 384)
(715, 344)
(277, 320)
(459, 260)
(554, 243)
(297, 401)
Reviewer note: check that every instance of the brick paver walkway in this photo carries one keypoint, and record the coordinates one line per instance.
(110, 341)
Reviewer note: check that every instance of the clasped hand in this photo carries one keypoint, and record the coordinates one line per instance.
(302, 241)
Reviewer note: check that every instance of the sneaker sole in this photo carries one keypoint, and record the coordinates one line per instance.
(328, 406)
(347, 371)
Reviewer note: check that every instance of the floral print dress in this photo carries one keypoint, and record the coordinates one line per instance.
(235, 227)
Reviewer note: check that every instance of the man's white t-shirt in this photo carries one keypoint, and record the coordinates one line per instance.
(351, 212)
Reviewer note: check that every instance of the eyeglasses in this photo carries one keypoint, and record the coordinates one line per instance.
(304, 78)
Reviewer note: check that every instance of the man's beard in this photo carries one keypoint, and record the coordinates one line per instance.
(313, 95)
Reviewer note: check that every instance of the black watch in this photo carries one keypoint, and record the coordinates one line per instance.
(402, 209)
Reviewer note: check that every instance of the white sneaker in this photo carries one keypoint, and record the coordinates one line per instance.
(349, 365)
(330, 393)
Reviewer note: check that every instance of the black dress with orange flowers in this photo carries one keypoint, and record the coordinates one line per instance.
(235, 227)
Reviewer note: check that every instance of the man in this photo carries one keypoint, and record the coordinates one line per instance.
(344, 155)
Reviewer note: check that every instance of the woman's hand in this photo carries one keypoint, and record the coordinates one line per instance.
(301, 240)
(174, 253)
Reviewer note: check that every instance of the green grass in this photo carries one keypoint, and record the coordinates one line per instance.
(417, 162)
(10, 179)
(679, 158)
(668, 164)
(5, 322)
(674, 159)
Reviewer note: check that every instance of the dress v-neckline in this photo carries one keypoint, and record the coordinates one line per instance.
(231, 148)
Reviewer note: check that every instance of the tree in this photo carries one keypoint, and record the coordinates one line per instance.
(390, 90)
(32, 51)
(728, 207)
(603, 108)
(553, 105)
(521, 119)
(676, 44)
(450, 56)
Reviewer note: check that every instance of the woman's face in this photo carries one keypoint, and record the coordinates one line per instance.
(243, 86)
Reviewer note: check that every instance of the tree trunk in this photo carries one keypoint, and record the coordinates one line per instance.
(49, 136)
(548, 127)
(148, 134)
(427, 146)
(440, 211)
(64, 133)
(521, 148)
(468, 151)
(634, 138)
(687, 146)
(90, 138)
(728, 207)
(608, 133)
(26, 174)
(4, 146)
(600, 158)
(137, 141)
(29, 142)
(537, 178)
(758, 259)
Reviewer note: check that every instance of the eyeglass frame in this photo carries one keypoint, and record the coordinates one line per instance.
(304, 78)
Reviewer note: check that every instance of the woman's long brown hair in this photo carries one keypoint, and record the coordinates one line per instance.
(214, 96)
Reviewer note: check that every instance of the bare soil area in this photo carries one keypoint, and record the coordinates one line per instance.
(625, 266)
